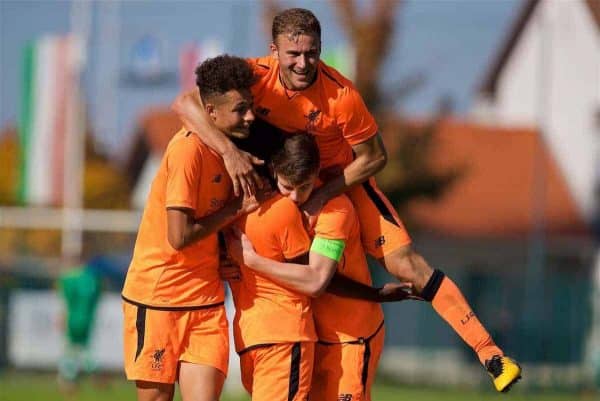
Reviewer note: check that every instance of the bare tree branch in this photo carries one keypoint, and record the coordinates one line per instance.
(370, 36)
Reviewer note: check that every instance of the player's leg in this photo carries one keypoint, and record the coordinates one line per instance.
(200, 382)
(445, 297)
(152, 391)
(281, 372)
(385, 238)
(204, 355)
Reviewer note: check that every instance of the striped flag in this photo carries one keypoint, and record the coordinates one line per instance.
(193, 54)
(50, 110)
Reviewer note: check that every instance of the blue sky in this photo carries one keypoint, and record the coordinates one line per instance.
(451, 41)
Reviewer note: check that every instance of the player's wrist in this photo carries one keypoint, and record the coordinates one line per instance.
(228, 150)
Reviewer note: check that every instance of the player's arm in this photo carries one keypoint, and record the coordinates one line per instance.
(183, 229)
(359, 129)
(370, 158)
(188, 107)
(310, 279)
(320, 275)
(391, 292)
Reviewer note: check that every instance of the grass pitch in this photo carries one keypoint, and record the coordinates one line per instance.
(16, 386)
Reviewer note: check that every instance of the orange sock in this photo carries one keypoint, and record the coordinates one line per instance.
(449, 302)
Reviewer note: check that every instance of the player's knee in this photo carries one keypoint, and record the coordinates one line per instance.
(408, 266)
(153, 391)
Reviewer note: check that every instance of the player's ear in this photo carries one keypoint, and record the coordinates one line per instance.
(210, 109)
(274, 51)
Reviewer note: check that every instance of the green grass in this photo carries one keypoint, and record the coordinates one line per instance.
(43, 387)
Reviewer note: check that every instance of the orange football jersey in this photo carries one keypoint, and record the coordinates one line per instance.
(266, 312)
(338, 220)
(331, 109)
(191, 176)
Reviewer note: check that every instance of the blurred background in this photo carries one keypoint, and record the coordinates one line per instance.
(490, 111)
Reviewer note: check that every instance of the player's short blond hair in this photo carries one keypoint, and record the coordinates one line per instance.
(296, 21)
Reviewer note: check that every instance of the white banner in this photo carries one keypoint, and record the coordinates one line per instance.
(36, 339)
(35, 333)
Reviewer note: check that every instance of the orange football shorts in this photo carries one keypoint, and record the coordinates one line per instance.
(156, 340)
(382, 231)
(278, 372)
(346, 371)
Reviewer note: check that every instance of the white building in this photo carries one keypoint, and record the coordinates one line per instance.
(546, 75)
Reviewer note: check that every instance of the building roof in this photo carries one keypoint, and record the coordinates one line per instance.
(490, 81)
(508, 178)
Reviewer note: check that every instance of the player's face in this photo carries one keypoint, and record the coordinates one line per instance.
(298, 57)
(232, 113)
(297, 193)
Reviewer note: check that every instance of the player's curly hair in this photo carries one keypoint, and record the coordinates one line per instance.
(295, 21)
(218, 75)
(297, 159)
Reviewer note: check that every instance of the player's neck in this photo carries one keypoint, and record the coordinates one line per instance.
(290, 91)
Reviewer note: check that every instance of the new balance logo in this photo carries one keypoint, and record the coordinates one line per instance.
(263, 111)
(217, 178)
(379, 242)
(345, 397)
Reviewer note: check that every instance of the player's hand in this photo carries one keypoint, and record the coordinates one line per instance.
(394, 292)
(240, 167)
(240, 248)
(249, 203)
(239, 164)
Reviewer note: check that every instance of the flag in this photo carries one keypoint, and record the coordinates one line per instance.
(49, 110)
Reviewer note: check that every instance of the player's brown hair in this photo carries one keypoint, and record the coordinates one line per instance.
(295, 21)
(298, 158)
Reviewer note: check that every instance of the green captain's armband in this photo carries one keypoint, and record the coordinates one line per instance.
(332, 248)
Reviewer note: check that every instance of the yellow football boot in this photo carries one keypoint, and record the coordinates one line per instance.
(504, 371)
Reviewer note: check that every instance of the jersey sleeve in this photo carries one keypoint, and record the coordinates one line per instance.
(184, 169)
(354, 119)
(335, 220)
(260, 65)
(252, 62)
(290, 233)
